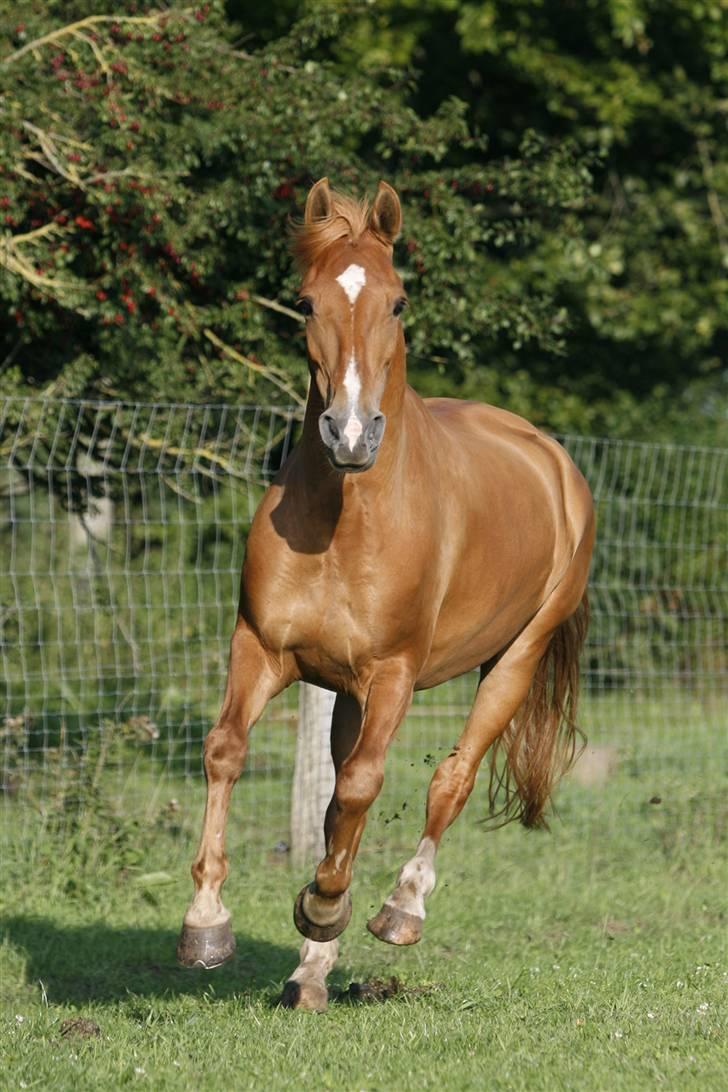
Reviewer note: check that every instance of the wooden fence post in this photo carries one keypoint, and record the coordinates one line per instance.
(313, 775)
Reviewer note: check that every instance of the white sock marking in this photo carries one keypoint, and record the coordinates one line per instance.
(352, 280)
(316, 960)
(416, 880)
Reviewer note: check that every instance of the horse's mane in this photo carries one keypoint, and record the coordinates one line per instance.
(348, 219)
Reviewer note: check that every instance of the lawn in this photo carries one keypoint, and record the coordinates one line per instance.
(590, 957)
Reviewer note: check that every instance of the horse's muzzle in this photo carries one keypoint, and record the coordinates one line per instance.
(351, 444)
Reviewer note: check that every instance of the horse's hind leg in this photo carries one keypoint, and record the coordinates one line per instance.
(501, 694)
(402, 916)
(206, 939)
(306, 988)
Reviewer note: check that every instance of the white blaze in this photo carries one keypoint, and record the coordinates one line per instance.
(352, 386)
(352, 280)
(352, 382)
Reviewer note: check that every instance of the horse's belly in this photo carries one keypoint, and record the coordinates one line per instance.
(458, 650)
(478, 620)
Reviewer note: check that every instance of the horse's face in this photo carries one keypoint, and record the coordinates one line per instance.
(352, 299)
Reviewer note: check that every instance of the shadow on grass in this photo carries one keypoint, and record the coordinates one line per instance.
(78, 964)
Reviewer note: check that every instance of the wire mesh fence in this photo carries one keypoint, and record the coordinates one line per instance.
(122, 529)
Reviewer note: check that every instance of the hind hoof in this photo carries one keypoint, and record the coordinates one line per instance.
(205, 946)
(308, 996)
(311, 929)
(395, 926)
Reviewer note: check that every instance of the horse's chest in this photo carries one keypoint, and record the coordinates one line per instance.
(325, 610)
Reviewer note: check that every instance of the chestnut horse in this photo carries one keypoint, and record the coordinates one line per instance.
(404, 542)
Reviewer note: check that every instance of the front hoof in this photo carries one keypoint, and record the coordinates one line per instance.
(205, 946)
(311, 929)
(309, 996)
(395, 926)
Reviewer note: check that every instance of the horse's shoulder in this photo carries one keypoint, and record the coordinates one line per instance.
(459, 414)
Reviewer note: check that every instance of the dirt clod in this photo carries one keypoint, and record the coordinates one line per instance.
(381, 989)
(81, 1027)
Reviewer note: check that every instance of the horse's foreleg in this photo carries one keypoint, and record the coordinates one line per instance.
(323, 908)
(306, 988)
(206, 939)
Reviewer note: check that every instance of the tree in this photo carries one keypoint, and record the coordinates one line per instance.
(644, 84)
(151, 166)
(151, 169)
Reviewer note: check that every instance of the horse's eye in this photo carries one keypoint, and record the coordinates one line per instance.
(399, 306)
(305, 306)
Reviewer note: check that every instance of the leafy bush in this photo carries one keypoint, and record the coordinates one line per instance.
(151, 169)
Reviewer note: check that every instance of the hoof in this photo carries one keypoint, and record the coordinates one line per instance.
(396, 926)
(313, 931)
(206, 946)
(309, 996)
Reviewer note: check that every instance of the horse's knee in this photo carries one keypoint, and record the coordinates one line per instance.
(224, 752)
(358, 785)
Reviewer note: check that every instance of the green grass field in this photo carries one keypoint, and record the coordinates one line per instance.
(591, 957)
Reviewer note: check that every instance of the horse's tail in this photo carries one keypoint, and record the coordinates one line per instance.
(540, 743)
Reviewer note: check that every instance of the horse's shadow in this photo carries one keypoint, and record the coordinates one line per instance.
(98, 963)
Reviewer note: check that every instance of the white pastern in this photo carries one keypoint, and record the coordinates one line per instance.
(316, 960)
(352, 280)
(352, 386)
(416, 880)
(206, 910)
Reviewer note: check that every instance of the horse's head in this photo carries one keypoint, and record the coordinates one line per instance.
(352, 299)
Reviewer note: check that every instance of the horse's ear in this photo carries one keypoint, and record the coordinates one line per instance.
(318, 202)
(385, 219)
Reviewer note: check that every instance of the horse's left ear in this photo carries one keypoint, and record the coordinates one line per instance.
(385, 218)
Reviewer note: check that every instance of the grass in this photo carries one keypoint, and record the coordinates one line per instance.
(593, 957)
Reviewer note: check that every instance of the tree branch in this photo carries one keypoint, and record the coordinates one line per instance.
(716, 212)
(271, 374)
(92, 20)
(273, 305)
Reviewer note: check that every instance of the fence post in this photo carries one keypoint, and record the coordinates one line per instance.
(313, 774)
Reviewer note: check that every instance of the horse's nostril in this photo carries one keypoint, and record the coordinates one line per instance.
(329, 429)
(375, 429)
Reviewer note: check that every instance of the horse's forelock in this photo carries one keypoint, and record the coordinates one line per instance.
(348, 219)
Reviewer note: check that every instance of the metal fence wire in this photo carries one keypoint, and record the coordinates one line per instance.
(122, 531)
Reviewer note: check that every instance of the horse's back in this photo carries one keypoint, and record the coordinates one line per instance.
(514, 510)
(506, 455)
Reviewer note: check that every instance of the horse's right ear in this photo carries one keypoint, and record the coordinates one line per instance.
(318, 202)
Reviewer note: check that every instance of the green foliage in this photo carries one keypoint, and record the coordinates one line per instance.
(148, 202)
(643, 281)
(563, 183)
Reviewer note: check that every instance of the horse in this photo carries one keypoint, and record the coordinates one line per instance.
(404, 542)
